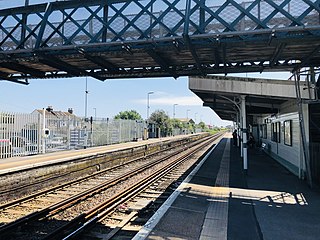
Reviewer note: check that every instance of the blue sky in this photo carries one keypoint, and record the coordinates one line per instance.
(109, 97)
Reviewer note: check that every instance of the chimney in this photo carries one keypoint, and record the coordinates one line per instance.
(70, 110)
(49, 109)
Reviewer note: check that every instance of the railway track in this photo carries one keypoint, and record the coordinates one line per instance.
(78, 206)
(11, 193)
(11, 211)
(128, 218)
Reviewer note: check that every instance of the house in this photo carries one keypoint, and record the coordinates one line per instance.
(59, 119)
(186, 120)
(64, 127)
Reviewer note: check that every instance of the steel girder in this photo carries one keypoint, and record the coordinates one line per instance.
(116, 38)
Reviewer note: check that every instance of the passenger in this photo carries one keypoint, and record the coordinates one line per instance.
(251, 141)
(235, 137)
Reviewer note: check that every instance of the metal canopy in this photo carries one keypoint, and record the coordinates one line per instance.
(263, 96)
(226, 110)
(158, 38)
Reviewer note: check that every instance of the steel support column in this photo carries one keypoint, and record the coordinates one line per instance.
(43, 131)
(305, 147)
(241, 134)
(244, 133)
(238, 127)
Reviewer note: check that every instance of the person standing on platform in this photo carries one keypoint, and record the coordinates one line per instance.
(251, 141)
(235, 136)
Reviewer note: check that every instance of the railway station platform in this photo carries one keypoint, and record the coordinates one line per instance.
(218, 201)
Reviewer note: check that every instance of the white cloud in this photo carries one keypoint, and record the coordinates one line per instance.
(165, 100)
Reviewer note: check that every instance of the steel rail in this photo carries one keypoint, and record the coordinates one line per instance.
(69, 183)
(114, 232)
(55, 208)
(88, 218)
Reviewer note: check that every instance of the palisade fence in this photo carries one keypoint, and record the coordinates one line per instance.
(105, 131)
(24, 134)
(19, 134)
(27, 134)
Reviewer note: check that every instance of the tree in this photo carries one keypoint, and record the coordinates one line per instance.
(129, 115)
(202, 125)
(161, 119)
(176, 123)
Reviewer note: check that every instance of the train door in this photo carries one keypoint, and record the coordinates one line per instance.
(256, 134)
(314, 141)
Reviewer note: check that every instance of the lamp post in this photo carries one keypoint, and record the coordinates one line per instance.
(195, 117)
(148, 103)
(85, 115)
(95, 119)
(86, 100)
(188, 110)
(95, 114)
(174, 110)
(187, 132)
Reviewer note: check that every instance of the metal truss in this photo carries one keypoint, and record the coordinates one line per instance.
(127, 39)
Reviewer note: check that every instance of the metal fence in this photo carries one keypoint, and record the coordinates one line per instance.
(49, 131)
(105, 131)
(43, 131)
(19, 134)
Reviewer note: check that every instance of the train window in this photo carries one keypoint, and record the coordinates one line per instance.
(278, 126)
(287, 133)
(264, 131)
(275, 132)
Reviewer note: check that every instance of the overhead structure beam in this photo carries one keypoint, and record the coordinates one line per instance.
(15, 81)
(261, 110)
(60, 65)
(217, 58)
(225, 108)
(224, 48)
(264, 105)
(306, 60)
(194, 54)
(22, 69)
(277, 53)
(176, 45)
(228, 108)
(208, 38)
(63, 66)
(100, 62)
(158, 59)
(250, 102)
(6, 77)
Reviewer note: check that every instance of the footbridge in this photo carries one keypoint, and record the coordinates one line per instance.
(158, 38)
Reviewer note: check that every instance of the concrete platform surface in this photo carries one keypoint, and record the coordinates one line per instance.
(217, 201)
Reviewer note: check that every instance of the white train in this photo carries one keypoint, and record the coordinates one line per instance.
(280, 136)
(273, 115)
